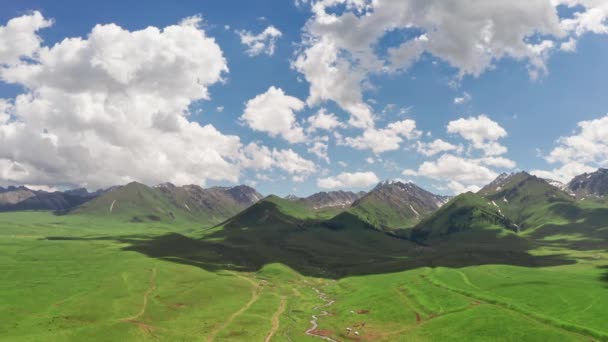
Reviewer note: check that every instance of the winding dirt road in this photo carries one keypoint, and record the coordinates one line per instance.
(275, 319)
(255, 294)
(151, 288)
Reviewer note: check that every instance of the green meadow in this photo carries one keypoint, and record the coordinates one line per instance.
(85, 278)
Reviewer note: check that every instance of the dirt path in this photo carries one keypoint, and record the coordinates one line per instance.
(112, 206)
(255, 294)
(315, 318)
(527, 316)
(275, 318)
(467, 280)
(144, 306)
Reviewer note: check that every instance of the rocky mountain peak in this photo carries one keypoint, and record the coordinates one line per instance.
(331, 199)
(593, 184)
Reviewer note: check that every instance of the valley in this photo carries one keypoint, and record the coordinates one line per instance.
(521, 259)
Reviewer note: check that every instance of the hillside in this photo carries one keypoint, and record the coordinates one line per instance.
(166, 202)
(529, 201)
(134, 202)
(214, 204)
(465, 212)
(274, 210)
(391, 206)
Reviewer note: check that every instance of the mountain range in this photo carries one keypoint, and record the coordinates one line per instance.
(515, 202)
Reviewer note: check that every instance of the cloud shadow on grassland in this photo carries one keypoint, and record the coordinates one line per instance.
(319, 251)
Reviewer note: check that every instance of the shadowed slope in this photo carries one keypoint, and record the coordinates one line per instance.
(276, 230)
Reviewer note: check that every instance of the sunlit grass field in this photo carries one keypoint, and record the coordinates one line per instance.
(76, 278)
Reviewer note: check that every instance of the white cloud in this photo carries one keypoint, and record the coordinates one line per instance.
(459, 188)
(499, 162)
(263, 158)
(409, 172)
(293, 163)
(569, 45)
(263, 42)
(332, 78)
(113, 107)
(273, 112)
(323, 120)
(19, 38)
(584, 151)
(319, 149)
(93, 106)
(565, 173)
(589, 145)
(348, 180)
(450, 167)
(5, 108)
(436, 146)
(482, 132)
(463, 99)
(385, 139)
(219, 109)
(339, 43)
(592, 19)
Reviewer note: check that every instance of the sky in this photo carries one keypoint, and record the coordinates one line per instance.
(295, 97)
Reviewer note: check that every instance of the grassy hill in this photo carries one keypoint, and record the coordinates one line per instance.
(530, 201)
(390, 207)
(465, 212)
(138, 203)
(133, 202)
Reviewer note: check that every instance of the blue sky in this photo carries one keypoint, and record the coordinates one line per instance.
(525, 99)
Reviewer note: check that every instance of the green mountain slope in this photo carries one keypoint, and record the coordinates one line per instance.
(274, 210)
(530, 201)
(137, 202)
(390, 206)
(212, 204)
(465, 212)
(134, 202)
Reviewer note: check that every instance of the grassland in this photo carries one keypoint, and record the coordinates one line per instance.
(79, 277)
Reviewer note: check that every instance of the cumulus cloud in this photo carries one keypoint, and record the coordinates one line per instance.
(409, 172)
(273, 112)
(384, 139)
(333, 78)
(323, 120)
(461, 174)
(482, 132)
(564, 173)
(319, 149)
(593, 18)
(500, 162)
(584, 151)
(339, 43)
(348, 180)
(450, 167)
(5, 109)
(459, 188)
(263, 158)
(263, 42)
(19, 38)
(113, 107)
(436, 146)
